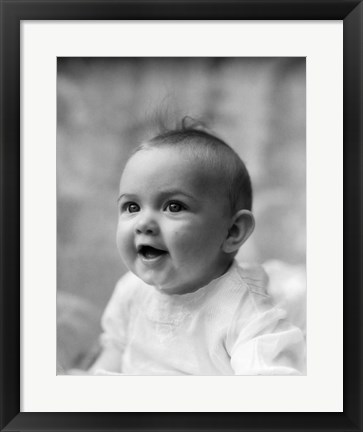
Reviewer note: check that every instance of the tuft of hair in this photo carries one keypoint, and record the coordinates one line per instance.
(212, 152)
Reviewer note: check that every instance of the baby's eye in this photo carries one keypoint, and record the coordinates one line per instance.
(131, 207)
(175, 207)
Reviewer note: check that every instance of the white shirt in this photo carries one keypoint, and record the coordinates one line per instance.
(227, 327)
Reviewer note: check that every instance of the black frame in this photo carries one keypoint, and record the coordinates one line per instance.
(12, 12)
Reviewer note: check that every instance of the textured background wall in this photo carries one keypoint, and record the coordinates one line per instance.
(107, 106)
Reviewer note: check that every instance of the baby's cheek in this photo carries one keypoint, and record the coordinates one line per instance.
(189, 244)
(178, 240)
(123, 240)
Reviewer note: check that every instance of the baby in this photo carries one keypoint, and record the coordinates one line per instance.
(186, 307)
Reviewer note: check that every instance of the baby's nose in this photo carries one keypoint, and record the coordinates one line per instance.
(146, 225)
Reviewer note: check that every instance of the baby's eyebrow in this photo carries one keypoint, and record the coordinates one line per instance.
(130, 196)
(162, 194)
(171, 192)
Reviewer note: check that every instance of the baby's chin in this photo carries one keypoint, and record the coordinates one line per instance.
(171, 290)
(149, 278)
(165, 287)
(172, 282)
(179, 289)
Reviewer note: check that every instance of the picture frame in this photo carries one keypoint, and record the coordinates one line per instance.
(12, 13)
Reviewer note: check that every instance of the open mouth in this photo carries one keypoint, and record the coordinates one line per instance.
(149, 252)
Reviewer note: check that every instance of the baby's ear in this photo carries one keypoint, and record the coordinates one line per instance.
(243, 224)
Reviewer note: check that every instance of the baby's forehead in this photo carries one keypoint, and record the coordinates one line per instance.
(176, 159)
(194, 163)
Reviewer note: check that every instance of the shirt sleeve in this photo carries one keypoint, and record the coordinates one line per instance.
(266, 344)
(115, 318)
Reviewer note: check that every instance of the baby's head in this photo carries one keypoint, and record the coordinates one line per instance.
(184, 210)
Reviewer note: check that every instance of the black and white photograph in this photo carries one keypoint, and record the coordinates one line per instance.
(181, 216)
(181, 220)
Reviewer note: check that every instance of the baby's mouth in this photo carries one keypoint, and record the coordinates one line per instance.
(149, 252)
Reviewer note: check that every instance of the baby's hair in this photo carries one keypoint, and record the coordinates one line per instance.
(211, 151)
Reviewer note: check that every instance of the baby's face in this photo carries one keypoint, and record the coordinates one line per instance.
(173, 220)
